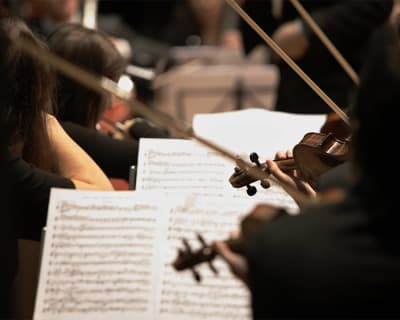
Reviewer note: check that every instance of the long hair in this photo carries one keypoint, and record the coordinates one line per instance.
(94, 52)
(29, 96)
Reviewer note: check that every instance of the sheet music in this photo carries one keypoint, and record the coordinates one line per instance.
(256, 130)
(217, 296)
(108, 255)
(172, 165)
(99, 256)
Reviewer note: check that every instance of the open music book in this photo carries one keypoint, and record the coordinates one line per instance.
(107, 255)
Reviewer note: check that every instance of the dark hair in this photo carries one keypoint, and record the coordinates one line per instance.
(377, 106)
(27, 98)
(94, 52)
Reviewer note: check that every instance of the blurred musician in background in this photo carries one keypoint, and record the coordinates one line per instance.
(347, 23)
(80, 109)
(338, 259)
(44, 16)
(204, 22)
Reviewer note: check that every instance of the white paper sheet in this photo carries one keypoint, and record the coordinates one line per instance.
(256, 130)
(172, 165)
(108, 255)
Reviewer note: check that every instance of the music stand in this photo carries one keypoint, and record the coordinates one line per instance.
(219, 88)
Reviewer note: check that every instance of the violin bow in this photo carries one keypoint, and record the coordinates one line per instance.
(326, 41)
(285, 57)
(103, 85)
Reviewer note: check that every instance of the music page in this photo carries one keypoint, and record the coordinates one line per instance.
(108, 255)
(177, 165)
(99, 255)
(218, 295)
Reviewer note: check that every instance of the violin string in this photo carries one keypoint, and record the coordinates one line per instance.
(104, 85)
(284, 56)
(326, 41)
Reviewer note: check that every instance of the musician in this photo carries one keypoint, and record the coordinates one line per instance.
(338, 259)
(210, 22)
(132, 39)
(25, 188)
(38, 137)
(348, 23)
(80, 109)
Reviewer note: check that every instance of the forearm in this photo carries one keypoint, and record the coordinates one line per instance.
(73, 162)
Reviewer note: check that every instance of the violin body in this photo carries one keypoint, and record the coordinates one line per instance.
(317, 153)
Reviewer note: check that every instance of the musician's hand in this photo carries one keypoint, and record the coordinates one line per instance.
(237, 263)
(291, 38)
(260, 215)
(290, 177)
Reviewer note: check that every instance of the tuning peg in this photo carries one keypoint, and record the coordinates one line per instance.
(255, 159)
(265, 184)
(212, 267)
(196, 275)
(186, 245)
(201, 240)
(251, 190)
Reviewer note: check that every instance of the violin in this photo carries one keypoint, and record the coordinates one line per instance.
(314, 155)
(188, 259)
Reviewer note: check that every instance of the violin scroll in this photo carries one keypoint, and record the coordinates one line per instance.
(188, 258)
(241, 178)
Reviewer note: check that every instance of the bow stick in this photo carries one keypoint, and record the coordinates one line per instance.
(284, 56)
(326, 41)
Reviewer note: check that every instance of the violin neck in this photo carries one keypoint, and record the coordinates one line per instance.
(286, 164)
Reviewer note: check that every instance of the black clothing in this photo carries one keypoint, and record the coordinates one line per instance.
(8, 245)
(148, 18)
(347, 23)
(145, 50)
(114, 157)
(30, 191)
(330, 261)
(184, 28)
(338, 177)
(24, 196)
